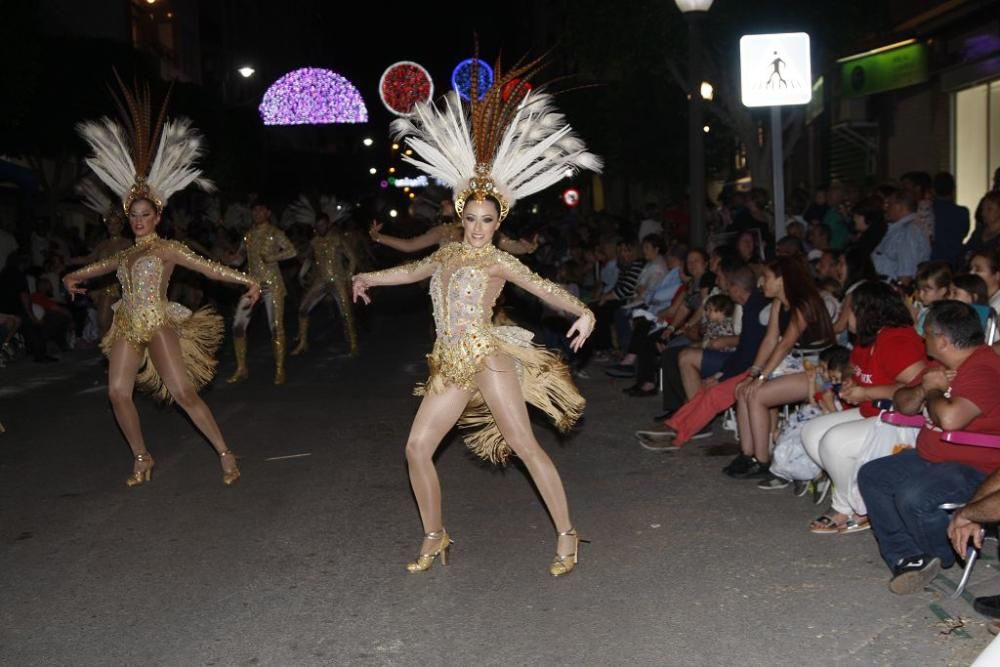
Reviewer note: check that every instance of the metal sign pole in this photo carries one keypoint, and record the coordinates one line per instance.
(777, 158)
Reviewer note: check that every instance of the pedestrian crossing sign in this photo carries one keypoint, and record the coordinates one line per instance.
(775, 69)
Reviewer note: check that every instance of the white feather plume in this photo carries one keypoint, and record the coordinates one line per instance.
(95, 196)
(173, 167)
(538, 149)
(302, 211)
(111, 160)
(237, 216)
(442, 140)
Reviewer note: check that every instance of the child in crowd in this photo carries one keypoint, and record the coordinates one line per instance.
(971, 289)
(790, 462)
(933, 284)
(719, 322)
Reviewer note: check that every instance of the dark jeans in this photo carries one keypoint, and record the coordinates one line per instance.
(605, 314)
(673, 388)
(903, 492)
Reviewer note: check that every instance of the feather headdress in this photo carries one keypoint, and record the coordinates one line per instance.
(510, 144)
(139, 158)
(95, 196)
(302, 210)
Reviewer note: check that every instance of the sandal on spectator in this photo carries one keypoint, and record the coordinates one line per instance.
(826, 525)
(855, 525)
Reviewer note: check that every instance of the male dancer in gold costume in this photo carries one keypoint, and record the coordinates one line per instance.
(264, 246)
(328, 256)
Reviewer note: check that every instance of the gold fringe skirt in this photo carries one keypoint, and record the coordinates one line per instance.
(544, 377)
(200, 334)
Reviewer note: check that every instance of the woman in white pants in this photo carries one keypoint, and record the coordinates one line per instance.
(887, 355)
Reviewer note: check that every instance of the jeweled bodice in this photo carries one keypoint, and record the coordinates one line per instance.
(463, 291)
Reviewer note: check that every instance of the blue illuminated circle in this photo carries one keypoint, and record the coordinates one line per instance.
(461, 78)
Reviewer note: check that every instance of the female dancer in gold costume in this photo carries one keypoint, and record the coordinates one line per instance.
(106, 293)
(163, 346)
(480, 374)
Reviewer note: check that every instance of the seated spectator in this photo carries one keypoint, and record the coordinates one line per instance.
(790, 246)
(55, 321)
(655, 268)
(798, 328)
(933, 284)
(686, 370)
(790, 462)
(719, 330)
(903, 492)
(720, 370)
(630, 266)
(888, 353)
(905, 244)
(15, 299)
(986, 265)
(971, 289)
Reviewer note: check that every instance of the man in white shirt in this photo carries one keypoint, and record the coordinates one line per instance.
(905, 244)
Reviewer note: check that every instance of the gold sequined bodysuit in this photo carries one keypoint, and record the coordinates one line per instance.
(329, 252)
(266, 245)
(143, 272)
(465, 284)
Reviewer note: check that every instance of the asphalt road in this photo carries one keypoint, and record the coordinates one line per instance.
(303, 562)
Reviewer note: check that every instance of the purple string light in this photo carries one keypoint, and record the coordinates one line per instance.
(312, 96)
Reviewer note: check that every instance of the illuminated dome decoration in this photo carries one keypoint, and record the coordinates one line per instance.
(461, 78)
(312, 96)
(403, 85)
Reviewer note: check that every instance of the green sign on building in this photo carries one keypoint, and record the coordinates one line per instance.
(895, 68)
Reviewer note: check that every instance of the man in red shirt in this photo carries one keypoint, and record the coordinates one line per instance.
(903, 492)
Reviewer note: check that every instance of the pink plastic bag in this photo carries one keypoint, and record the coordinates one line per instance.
(697, 413)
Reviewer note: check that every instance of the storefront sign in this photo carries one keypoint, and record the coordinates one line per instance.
(882, 70)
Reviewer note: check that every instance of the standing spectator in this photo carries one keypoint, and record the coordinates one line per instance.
(918, 184)
(8, 244)
(817, 208)
(649, 224)
(869, 224)
(905, 245)
(951, 221)
(987, 234)
(903, 492)
(835, 219)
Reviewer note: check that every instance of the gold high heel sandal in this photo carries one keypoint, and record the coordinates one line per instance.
(562, 565)
(141, 476)
(233, 476)
(424, 561)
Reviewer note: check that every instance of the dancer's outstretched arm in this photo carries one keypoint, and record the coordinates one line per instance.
(71, 281)
(180, 254)
(399, 275)
(431, 237)
(512, 270)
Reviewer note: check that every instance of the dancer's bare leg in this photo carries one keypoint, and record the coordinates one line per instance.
(501, 390)
(123, 364)
(165, 353)
(436, 416)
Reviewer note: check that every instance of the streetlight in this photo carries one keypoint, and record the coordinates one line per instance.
(707, 91)
(373, 171)
(367, 141)
(393, 213)
(695, 12)
(246, 71)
